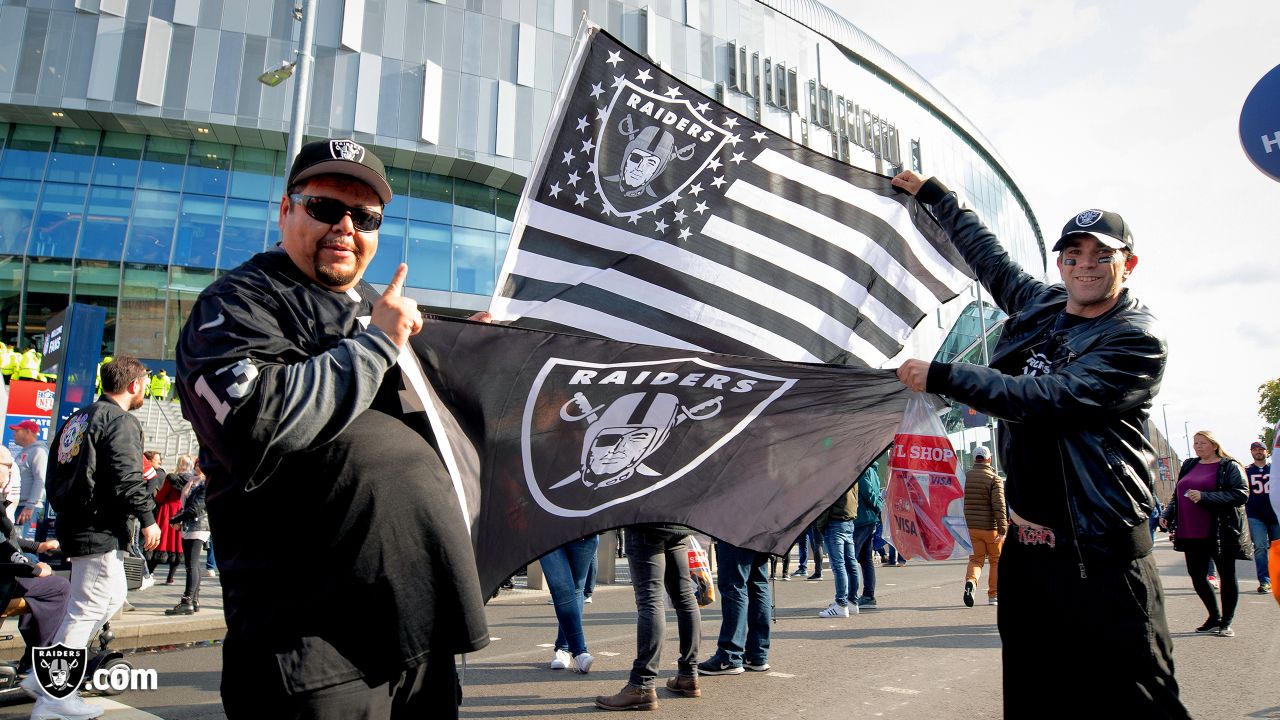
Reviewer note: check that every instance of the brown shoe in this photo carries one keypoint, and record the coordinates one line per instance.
(630, 698)
(686, 685)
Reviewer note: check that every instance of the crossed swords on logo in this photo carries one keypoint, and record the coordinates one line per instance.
(586, 411)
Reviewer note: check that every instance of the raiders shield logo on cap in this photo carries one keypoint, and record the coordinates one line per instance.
(60, 669)
(601, 435)
(1088, 217)
(346, 150)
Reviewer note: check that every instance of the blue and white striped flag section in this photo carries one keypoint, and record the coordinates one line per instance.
(657, 216)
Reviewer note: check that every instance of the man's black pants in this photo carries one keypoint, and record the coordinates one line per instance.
(1079, 646)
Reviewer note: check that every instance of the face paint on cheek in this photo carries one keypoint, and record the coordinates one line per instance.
(1070, 262)
(1106, 259)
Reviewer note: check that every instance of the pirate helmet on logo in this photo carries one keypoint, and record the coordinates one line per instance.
(59, 669)
(1088, 217)
(644, 159)
(628, 432)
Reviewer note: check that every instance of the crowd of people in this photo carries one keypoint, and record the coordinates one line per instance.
(293, 372)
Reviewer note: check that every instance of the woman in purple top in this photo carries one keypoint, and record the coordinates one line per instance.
(1206, 519)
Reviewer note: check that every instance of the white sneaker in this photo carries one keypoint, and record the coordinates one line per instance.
(561, 660)
(586, 599)
(993, 600)
(835, 610)
(72, 707)
(852, 607)
(582, 662)
(147, 582)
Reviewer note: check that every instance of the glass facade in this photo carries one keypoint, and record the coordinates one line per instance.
(137, 156)
(141, 224)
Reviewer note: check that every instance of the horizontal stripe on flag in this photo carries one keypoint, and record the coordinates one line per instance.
(759, 304)
(887, 209)
(556, 270)
(567, 314)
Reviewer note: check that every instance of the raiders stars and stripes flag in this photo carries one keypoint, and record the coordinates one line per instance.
(657, 216)
(575, 435)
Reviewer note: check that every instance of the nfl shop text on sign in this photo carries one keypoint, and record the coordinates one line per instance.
(656, 215)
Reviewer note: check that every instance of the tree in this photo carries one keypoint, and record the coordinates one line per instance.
(1269, 409)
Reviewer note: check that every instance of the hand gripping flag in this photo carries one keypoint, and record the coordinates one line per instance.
(656, 215)
(572, 436)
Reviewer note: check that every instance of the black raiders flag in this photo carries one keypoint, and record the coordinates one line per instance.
(656, 215)
(577, 435)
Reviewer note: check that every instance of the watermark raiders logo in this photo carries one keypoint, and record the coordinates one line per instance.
(595, 436)
(650, 146)
(60, 669)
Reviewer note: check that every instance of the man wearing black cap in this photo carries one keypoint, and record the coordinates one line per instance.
(1263, 525)
(347, 569)
(1081, 611)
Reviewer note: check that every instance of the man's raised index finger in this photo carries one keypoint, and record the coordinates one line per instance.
(396, 287)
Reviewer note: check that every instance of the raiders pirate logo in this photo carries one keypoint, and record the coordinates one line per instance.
(1088, 217)
(60, 669)
(650, 146)
(595, 436)
(346, 150)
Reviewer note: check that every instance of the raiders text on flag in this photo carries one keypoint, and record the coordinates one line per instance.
(658, 216)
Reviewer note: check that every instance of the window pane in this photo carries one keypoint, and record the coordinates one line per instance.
(105, 223)
(474, 205)
(27, 151)
(118, 160)
(184, 287)
(399, 181)
(506, 208)
(151, 234)
(199, 223)
(244, 233)
(17, 201)
(163, 163)
(428, 255)
(48, 285)
(390, 252)
(207, 169)
(252, 173)
(273, 225)
(98, 283)
(141, 323)
(431, 197)
(472, 261)
(72, 158)
(58, 221)
(10, 292)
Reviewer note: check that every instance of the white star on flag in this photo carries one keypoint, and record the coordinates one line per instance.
(718, 180)
(596, 91)
(568, 157)
(758, 136)
(615, 57)
(694, 189)
(591, 168)
(731, 121)
(685, 233)
(672, 92)
(661, 225)
(573, 178)
(675, 198)
(604, 210)
(702, 107)
(633, 219)
(714, 165)
(737, 158)
(555, 189)
(700, 208)
(644, 76)
(600, 113)
(582, 123)
(587, 145)
(619, 80)
(580, 199)
(734, 140)
(680, 216)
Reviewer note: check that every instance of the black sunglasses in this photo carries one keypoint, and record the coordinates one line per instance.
(330, 211)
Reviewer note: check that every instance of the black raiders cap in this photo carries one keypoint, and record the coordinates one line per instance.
(1108, 227)
(341, 157)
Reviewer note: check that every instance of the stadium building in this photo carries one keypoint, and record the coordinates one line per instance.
(141, 155)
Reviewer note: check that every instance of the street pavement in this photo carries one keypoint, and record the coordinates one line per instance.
(921, 654)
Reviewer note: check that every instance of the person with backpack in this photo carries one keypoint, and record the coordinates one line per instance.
(95, 483)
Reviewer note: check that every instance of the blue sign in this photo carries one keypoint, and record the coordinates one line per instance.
(1260, 124)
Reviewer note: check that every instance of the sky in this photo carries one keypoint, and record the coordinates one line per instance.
(1132, 107)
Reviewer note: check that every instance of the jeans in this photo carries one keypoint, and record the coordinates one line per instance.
(840, 551)
(98, 587)
(747, 604)
(659, 560)
(1263, 533)
(566, 570)
(590, 588)
(209, 563)
(863, 537)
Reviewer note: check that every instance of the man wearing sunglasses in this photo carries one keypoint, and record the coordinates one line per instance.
(294, 372)
(1072, 377)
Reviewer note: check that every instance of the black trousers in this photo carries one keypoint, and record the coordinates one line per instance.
(1083, 646)
(47, 599)
(253, 688)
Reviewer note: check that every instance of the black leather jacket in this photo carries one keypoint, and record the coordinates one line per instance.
(1072, 440)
